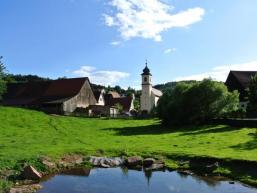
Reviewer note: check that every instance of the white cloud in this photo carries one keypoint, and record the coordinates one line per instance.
(115, 43)
(220, 73)
(109, 21)
(148, 18)
(169, 50)
(101, 77)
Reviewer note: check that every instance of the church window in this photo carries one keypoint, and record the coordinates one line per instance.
(145, 79)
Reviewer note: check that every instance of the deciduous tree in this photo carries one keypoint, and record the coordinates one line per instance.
(190, 103)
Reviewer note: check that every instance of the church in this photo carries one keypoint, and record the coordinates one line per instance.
(150, 95)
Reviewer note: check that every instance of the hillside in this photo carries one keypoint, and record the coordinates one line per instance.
(26, 134)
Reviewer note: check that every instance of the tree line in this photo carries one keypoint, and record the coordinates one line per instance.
(185, 102)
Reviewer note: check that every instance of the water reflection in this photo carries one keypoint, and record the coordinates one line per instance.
(122, 180)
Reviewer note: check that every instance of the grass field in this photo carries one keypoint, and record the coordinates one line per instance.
(26, 134)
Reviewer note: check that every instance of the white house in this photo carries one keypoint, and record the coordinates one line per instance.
(150, 95)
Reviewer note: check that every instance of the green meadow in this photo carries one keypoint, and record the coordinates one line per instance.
(27, 134)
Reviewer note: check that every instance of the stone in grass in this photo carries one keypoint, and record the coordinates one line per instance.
(134, 161)
(26, 188)
(30, 173)
(148, 162)
(48, 164)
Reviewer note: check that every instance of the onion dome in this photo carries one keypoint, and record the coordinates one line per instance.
(146, 70)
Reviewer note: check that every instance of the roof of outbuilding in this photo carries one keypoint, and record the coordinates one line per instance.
(42, 91)
(114, 94)
(125, 102)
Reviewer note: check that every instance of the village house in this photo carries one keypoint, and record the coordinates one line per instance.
(240, 80)
(106, 103)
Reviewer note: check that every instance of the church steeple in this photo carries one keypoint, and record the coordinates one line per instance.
(146, 70)
(146, 96)
(149, 95)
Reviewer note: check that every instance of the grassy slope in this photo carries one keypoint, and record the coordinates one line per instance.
(26, 134)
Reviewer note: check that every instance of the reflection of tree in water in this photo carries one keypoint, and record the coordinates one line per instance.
(210, 181)
(77, 172)
(148, 175)
(182, 175)
(124, 171)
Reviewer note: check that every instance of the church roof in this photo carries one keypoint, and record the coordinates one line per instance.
(156, 92)
(146, 70)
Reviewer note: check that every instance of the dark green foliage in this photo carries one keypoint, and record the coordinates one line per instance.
(2, 82)
(171, 85)
(137, 104)
(119, 107)
(2, 88)
(24, 78)
(196, 102)
(252, 97)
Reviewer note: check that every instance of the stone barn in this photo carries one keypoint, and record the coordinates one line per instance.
(61, 96)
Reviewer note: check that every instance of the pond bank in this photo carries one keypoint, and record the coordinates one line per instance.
(238, 170)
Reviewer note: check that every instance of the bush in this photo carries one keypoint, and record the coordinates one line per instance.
(192, 103)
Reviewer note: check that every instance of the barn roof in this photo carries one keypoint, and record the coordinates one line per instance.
(42, 91)
(63, 88)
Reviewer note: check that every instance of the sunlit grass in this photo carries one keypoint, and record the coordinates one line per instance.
(26, 134)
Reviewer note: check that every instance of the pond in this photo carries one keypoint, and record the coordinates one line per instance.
(118, 180)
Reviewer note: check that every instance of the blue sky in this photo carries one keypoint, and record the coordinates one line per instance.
(109, 40)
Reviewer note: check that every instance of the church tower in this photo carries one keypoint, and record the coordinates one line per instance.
(146, 96)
